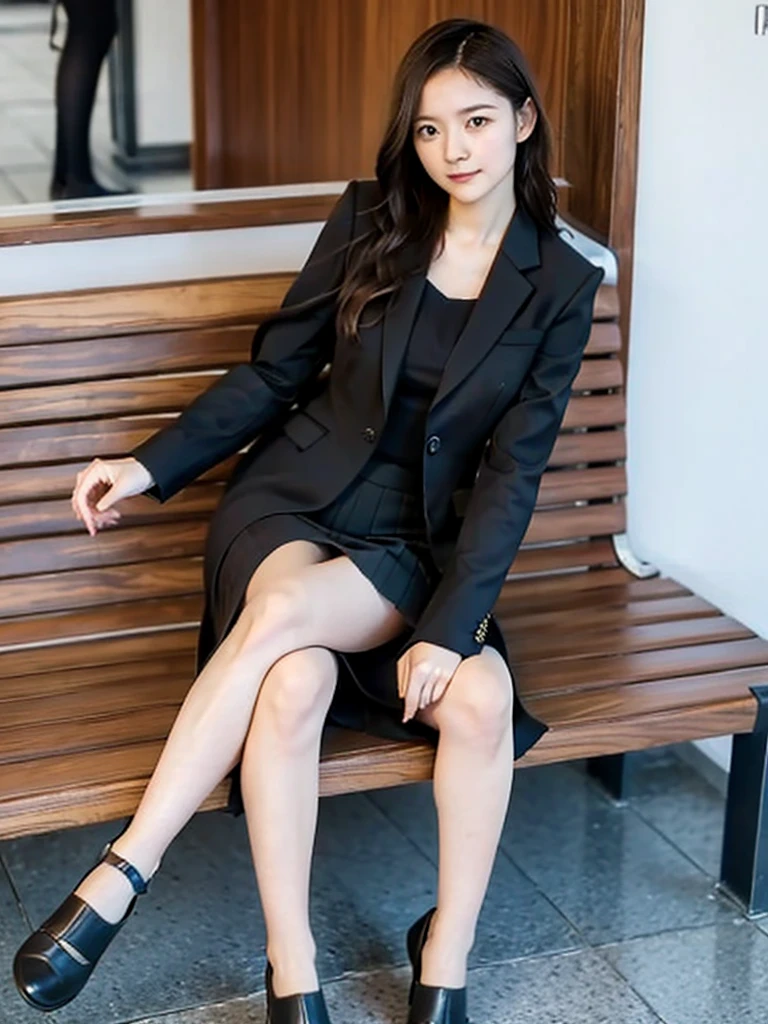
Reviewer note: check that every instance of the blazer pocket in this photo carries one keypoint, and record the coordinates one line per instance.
(303, 429)
(530, 336)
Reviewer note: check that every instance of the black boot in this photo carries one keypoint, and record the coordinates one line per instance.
(430, 1004)
(55, 962)
(303, 1008)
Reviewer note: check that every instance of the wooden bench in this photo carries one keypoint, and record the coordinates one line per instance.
(97, 636)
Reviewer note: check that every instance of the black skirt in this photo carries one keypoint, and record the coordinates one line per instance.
(379, 524)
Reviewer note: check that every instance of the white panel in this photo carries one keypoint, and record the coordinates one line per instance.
(698, 415)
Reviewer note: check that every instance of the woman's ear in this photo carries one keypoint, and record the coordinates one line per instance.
(526, 116)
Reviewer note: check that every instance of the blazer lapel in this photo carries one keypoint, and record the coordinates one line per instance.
(503, 294)
(398, 322)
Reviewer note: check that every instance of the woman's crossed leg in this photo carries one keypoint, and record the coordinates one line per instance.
(298, 598)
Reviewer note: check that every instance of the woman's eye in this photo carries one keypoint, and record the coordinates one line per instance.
(431, 130)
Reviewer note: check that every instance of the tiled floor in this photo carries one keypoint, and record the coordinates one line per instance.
(27, 115)
(596, 914)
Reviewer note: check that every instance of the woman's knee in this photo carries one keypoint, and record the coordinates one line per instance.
(478, 702)
(280, 609)
(297, 692)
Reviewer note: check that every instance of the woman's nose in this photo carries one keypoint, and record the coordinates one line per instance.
(455, 148)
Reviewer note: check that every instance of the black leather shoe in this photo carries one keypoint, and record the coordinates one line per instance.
(55, 962)
(430, 1004)
(302, 1008)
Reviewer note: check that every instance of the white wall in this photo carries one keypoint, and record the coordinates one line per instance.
(698, 370)
(163, 71)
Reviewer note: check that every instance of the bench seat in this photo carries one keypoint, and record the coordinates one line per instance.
(610, 662)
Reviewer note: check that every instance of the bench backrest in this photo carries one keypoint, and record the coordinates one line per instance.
(92, 373)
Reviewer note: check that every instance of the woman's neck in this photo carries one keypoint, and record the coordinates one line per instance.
(479, 225)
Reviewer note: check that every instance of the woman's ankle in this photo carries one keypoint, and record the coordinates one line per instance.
(293, 971)
(146, 861)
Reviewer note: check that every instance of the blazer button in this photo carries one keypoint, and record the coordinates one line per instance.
(369, 435)
(433, 444)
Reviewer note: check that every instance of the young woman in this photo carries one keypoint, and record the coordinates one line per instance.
(345, 579)
(91, 27)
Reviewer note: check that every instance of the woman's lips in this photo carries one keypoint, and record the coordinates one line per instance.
(462, 177)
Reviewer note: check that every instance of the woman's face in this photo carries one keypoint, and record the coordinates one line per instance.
(462, 126)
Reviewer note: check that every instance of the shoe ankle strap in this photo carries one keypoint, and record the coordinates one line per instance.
(136, 879)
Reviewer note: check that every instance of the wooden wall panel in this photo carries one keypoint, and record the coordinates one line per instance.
(298, 90)
(291, 91)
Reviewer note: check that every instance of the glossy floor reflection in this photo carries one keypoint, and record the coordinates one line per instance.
(27, 115)
(596, 914)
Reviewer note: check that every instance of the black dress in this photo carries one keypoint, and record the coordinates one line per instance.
(378, 521)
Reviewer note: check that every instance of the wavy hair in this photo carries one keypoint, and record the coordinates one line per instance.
(411, 218)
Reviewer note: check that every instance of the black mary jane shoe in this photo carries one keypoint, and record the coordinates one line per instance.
(302, 1008)
(55, 962)
(430, 1004)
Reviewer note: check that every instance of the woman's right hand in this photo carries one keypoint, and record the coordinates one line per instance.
(99, 486)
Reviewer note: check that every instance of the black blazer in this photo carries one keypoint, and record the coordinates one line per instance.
(490, 430)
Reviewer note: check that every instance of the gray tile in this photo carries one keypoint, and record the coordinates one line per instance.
(516, 919)
(19, 154)
(33, 183)
(13, 930)
(247, 1010)
(368, 884)
(608, 872)
(571, 989)
(8, 194)
(673, 797)
(574, 988)
(197, 936)
(714, 975)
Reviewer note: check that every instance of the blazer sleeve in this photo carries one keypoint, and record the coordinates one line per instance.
(506, 487)
(288, 349)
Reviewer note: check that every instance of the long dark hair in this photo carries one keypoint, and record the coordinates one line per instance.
(410, 220)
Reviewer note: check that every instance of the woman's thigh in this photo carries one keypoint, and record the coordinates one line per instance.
(340, 608)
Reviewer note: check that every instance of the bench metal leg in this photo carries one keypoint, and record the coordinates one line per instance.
(612, 770)
(744, 865)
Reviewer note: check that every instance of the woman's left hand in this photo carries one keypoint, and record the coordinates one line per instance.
(423, 675)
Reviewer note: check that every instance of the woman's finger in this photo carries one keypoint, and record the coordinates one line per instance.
(419, 678)
(89, 490)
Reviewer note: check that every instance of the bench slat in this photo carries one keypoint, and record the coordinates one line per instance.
(598, 587)
(50, 592)
(32, 728)
(131, 396)
(189, 305)
(91, 678)
(110, 547)
(179, 641)
(68, 551)
(100, 313)
(618, 736)
(41, 517)
(622, 702)
(159, 352)
(31, 519)
(136, 615)
(563, 556)
(543, 677)
(608, 637)
(113, 438)
(600, 615)
(36, 483)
